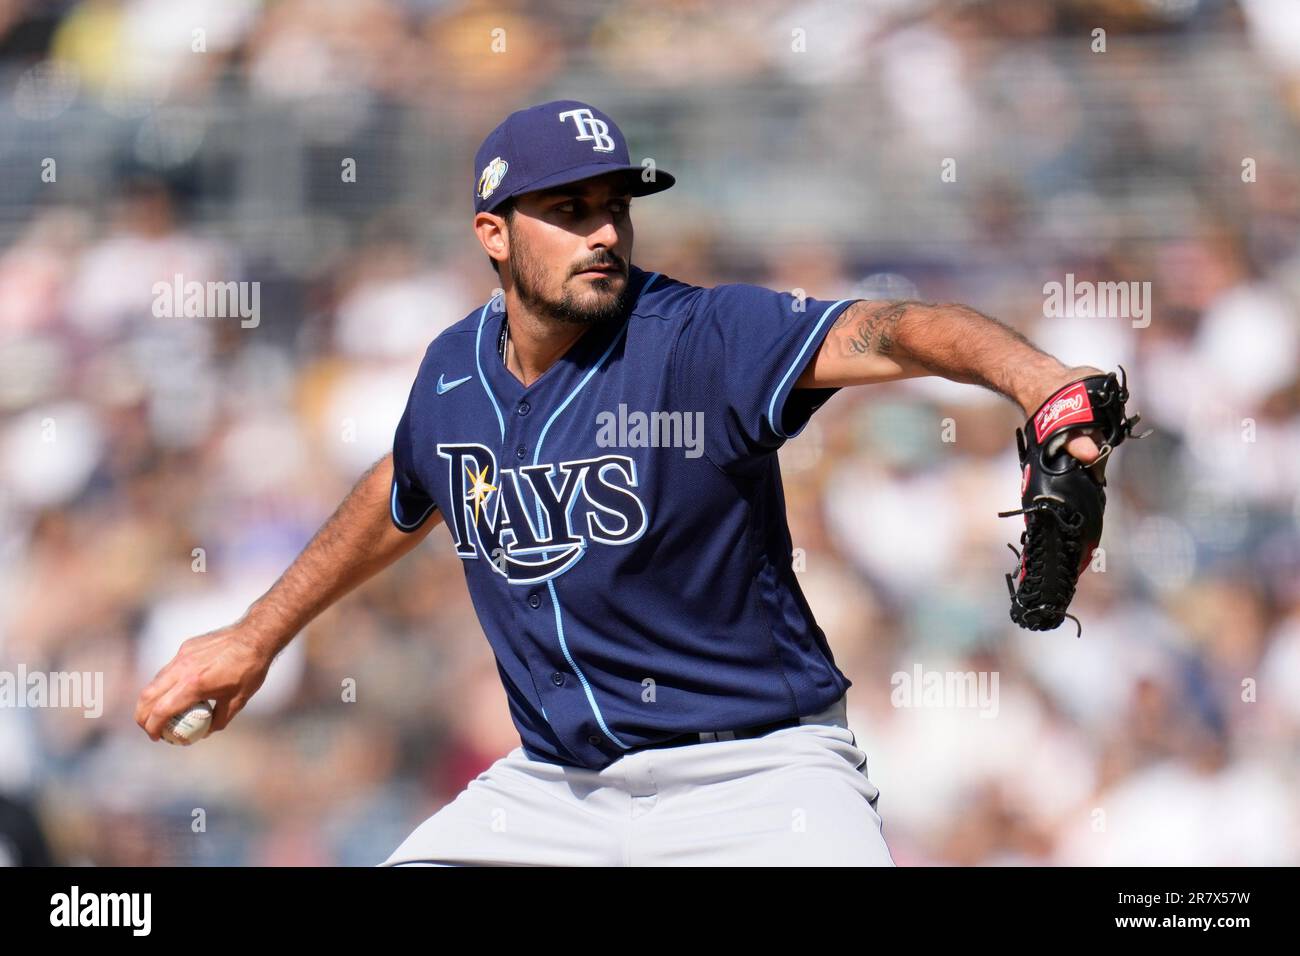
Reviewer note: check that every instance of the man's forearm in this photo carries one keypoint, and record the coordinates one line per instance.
(357, 542)
(950, 340)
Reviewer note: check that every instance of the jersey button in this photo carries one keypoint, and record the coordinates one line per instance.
(557, 679)
(534, 600)
(524, 408)
(520, 452)
(594, 740)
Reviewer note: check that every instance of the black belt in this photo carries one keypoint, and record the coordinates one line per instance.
(744, 733)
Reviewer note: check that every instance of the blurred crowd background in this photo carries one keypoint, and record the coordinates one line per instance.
(209, 137)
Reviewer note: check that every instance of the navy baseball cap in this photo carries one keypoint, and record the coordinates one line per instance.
(553, 144)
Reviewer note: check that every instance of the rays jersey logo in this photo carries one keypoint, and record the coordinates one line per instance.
(594, 501)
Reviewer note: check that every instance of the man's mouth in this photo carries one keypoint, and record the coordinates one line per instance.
(602, 271)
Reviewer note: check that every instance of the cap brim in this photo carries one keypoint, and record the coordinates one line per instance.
(640, 187)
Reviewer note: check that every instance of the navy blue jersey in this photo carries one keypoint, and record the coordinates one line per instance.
(621, 521)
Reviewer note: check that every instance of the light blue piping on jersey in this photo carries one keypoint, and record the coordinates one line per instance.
(478, 363)
(771, 406)
(550, 584)
(392, 507)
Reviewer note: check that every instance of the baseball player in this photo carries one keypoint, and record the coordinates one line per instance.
(599, 441)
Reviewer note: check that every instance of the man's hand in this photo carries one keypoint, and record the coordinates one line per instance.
(1082, 446)
(227, 665)
(1063, 501)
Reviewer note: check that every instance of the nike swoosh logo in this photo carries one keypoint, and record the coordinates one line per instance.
(444, 387)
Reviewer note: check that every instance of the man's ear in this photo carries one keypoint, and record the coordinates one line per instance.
(492, 236)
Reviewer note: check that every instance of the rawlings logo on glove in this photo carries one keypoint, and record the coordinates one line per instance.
(1062, 498)
(1070, 406)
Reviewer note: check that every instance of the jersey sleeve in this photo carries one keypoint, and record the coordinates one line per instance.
(737, 359)
(409, 504)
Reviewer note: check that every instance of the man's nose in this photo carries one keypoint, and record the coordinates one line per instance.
(605, 234)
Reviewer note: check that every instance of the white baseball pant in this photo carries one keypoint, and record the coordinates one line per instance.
(797, 796)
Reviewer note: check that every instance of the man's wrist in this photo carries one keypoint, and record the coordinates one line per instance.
(264, 627)
(1041, 381)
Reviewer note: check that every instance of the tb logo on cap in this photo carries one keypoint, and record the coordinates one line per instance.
(590, 129)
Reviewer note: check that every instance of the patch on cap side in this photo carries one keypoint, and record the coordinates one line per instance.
(493, 173)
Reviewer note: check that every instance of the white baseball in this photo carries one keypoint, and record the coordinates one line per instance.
(189, 726)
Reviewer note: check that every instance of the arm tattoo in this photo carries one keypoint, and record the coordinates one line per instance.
(871, 327)
(950, 340)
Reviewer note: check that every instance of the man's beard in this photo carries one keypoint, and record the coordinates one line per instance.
(529, 277)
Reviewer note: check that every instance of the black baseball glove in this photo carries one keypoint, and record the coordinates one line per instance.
(1063, 499)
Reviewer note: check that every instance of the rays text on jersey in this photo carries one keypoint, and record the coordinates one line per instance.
(595, 503)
